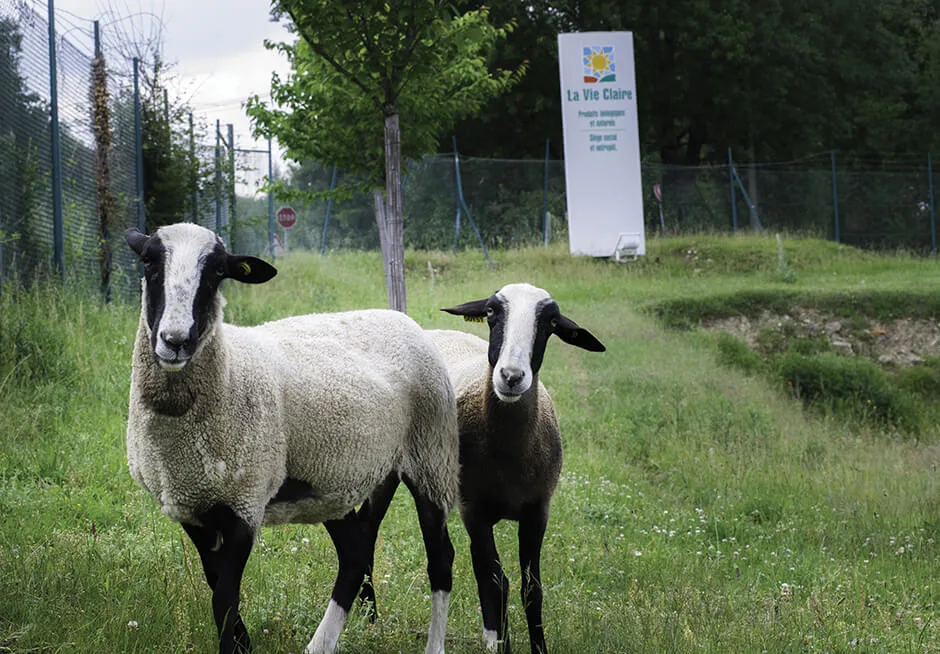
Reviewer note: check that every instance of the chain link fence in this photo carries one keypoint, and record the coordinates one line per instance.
(450, 202)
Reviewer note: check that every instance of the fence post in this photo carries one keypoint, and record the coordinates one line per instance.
(329, 208)
(933, 225)
(218, 178)
(270, 200)
(734, 199)
(139, 149)
(835, 194)
(231, 209)
(463, 203)
(194, 174)
(58, 227)
(546, 222)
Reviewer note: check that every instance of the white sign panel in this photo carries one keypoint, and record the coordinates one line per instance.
(602, 149)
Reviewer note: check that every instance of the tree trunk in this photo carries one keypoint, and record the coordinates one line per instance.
(395, 263)
(378, 199)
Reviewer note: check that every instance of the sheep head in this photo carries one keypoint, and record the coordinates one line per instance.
(521, 317)
(184, 264)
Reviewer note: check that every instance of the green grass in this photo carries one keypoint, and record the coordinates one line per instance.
(701, 507)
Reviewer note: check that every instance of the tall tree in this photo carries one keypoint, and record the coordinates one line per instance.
(362, 70)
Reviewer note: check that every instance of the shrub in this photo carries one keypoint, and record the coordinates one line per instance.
(855, 387)
(735, 353)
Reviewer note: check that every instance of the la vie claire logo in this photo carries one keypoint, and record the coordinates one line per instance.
(600, 67)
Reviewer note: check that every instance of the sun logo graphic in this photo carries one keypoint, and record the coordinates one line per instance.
(599, 64)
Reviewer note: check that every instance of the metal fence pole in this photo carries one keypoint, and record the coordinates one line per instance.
(231, 208)
(139, 150)
(933, 225)
(218, 178)
(734, 199)
(835, 194)
(463, 203)
(329, 208)
(270, 200)
(546, 222)
(58, 226)
(194, 168)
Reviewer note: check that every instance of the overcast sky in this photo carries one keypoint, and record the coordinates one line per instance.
(215, 47)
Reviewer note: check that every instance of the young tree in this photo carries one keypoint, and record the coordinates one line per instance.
(362, 70)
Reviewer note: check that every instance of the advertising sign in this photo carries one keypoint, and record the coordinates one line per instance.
(602, 151)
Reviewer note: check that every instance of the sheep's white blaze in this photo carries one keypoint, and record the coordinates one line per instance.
(327, 633)
(440, 601)
(186, 247)
(515, 355)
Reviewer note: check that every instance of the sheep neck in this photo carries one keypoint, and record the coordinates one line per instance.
(175, 394)
(512, 416)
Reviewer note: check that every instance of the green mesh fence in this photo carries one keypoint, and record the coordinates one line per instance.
(879, 202)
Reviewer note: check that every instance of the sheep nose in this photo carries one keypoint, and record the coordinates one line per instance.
(512, 376)
(173, 338)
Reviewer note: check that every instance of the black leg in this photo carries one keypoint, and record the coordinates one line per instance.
(224, 542)
(350, 544)
(492, 584)
(532, 523)
(352, 553)
(370, 517)
(440, 551)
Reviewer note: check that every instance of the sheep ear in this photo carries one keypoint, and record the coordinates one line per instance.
(249, 270)
(568, 331)
(471, 311)
(135, 240)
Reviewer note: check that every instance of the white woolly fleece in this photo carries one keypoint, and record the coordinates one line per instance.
(335, 400)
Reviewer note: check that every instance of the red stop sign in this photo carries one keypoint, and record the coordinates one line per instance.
(286, 217)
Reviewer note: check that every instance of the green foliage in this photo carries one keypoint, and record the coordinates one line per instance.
(735, 353)
(172, 174)
(792, 79)
(416, 61)
(852, 385)
(32, 343)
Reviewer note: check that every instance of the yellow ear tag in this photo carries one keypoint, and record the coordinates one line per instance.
(246, 269)
(474, 318)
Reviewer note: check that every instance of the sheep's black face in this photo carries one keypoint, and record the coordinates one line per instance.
(521, 318)
(184, 265)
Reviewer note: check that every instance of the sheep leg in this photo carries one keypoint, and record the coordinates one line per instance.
(370, 515)
(350, 543)
(532, 523)
(432, 519)
(224, 542)
(492, 584)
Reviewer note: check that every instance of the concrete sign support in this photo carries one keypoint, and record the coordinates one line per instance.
(602, 150)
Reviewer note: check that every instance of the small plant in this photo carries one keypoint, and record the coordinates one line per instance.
(784, 272)
(735, 353)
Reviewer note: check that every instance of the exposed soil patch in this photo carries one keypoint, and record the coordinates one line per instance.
(903, 342)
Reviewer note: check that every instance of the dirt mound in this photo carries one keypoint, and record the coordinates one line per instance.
(905, 341)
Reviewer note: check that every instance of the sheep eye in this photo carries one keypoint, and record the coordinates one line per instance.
(554, 322)
(145, 260)
(490, 312)
(220, 272)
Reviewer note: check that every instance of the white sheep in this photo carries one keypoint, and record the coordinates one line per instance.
(510, 446)
(296, 420)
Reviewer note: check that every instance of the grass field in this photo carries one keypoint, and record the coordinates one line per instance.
(702, 507)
